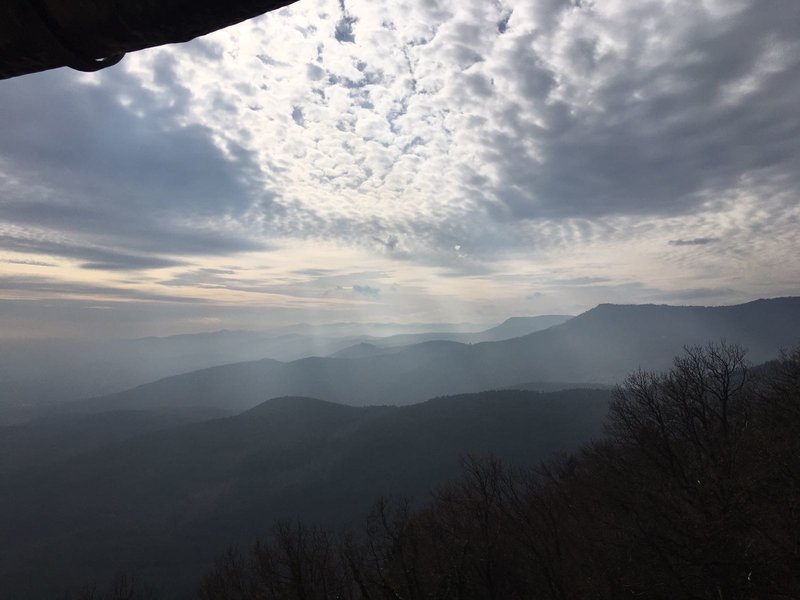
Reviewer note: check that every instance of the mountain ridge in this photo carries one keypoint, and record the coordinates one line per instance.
(37, 373)
(168, 501)
(600, 346)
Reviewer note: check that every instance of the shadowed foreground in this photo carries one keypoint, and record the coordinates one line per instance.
(694, 494)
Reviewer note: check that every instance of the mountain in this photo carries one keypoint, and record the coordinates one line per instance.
(607, 342)
(34, 373)
(60, 436)
(38, 372)
(517, 327)
(510, 328)
(166, 503)
(363, 350)
(601, 345)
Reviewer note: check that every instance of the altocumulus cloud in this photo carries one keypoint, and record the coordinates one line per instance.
(647, 108)
(447, 118)
(573, 110)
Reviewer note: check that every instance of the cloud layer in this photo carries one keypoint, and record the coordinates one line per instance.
(516, 156)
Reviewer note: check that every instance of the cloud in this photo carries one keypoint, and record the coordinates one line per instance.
(307, 284)
(390, 243)
(110, 163)
(50, 287)
(313, 272)
(572, 112)
(616, 117)
(581, 281)
(366, 290)
(94, 257)
(695, 295)
(574, 146)
(33, 263)
(694, 242)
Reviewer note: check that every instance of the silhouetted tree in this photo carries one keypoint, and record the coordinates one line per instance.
(122, 587)
(297, 563)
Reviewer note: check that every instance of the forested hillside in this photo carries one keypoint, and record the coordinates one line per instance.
(166, 502)
(693, 494)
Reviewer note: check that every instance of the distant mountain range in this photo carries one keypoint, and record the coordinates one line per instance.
(38, 372)
(510, 328)
(601, 345)
(154, 480)
(164, 504)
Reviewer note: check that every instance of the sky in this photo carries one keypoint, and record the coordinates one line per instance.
(411, 161)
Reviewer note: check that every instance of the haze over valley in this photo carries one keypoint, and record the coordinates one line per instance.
(200, 460)
(44, 372)
(600, 346)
